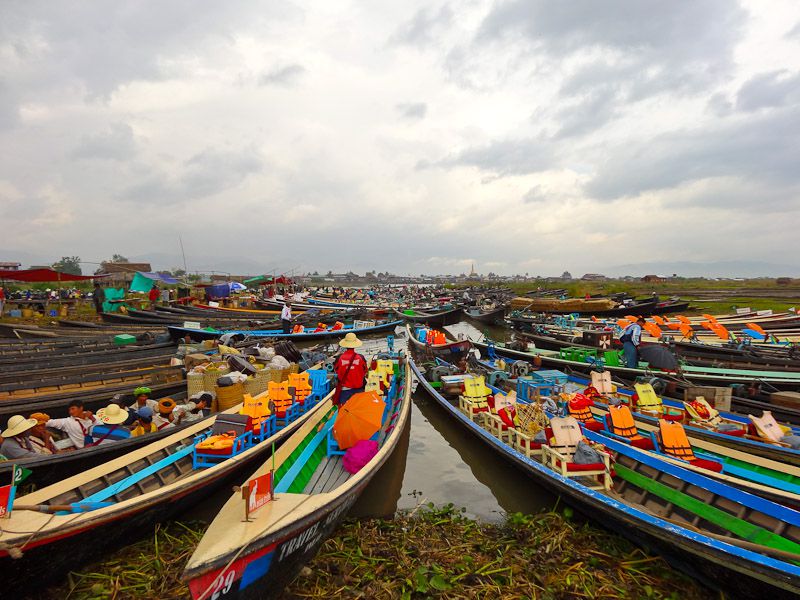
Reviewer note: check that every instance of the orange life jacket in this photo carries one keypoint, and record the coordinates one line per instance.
(579, 408)
(279, 396)
(302, 389)
(674, 441)
(621, 422)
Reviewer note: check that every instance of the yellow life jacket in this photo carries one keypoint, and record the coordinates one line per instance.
(374, 381)
(648, 399)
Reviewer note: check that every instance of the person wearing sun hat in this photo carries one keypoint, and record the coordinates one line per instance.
(109, 427)
(16, 442)
(40, 438)
(350, 368)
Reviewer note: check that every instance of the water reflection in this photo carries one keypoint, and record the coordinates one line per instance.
(439, 461)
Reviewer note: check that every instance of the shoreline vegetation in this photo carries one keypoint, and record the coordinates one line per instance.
(433, 552)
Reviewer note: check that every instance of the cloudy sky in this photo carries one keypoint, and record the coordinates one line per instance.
(524, 135)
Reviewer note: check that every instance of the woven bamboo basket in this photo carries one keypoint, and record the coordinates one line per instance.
(230, 396)
(195, 383)
(256, 384)
(210, 376)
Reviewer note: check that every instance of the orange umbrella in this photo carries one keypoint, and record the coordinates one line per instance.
(358, 419)
(687, 331)
(653, 329)
(756, 327)
(721, 332)
(683, 319)
(710, 317)
(631, 318)
(623, 323)
(659, 320)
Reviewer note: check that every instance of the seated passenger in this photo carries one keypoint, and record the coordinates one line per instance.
(110, 425)
(142, 396)
(41, 439)
(78, 425)
(144, 422)
(193, 409)
(163, 417)
(16, 438)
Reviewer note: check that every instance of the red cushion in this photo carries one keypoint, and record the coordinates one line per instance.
(709, 465)
(644, 443)
(579, 467)
(215, 452)
(735, 432)
(672, 417)
(530, 444)
(593, 425)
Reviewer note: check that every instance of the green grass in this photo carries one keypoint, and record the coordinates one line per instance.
(431, 553)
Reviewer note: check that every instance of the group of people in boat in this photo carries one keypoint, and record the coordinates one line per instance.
(28, 437)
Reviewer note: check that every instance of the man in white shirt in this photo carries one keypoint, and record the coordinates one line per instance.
(286, 317)
(78, 425)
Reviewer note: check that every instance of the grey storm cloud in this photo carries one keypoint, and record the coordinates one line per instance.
(117, 143)
(642, 48)
(424, 26)
(412, 110)
(769, 90)
(122, 124)
(284, 75)
(502, 157)
(758, 149)
(205, 174)
(104, 49)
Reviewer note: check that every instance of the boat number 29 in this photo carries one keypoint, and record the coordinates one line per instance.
(223, 583)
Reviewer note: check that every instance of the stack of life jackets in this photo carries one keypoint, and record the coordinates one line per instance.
(580, 407)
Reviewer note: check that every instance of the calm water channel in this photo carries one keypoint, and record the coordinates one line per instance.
(441, 462)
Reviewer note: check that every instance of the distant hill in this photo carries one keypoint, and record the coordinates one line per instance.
(728, 268)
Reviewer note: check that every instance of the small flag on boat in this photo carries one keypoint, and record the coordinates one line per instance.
(20, 474)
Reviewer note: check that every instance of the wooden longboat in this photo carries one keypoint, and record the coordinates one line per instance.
(694, 354)
(433, 319)
(36, 389)
(767, 474)
(452, 352)
(90, 356)
(89, 362)
(257, 558)
(487, 317)
(674, 512)
(31, 375)
(148, 485)
(690, 376)
(56, 404)
(49, 469)
(200, 334)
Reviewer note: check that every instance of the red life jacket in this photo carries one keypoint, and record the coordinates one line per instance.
(351, 376)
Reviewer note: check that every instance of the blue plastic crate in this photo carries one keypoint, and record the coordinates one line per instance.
(528, 388)
(552, 377)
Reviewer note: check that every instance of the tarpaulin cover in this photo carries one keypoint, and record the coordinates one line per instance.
(264, 280)
(113, 294)
(143, 281)
(44, 275)
(222, 290)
